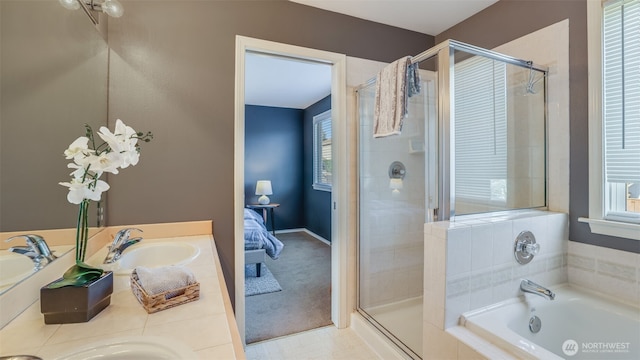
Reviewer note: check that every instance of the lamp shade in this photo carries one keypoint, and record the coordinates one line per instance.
(263, 187)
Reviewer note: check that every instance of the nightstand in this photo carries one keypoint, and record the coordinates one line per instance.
(264, 208)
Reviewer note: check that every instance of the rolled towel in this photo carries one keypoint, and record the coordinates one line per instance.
(158, 280)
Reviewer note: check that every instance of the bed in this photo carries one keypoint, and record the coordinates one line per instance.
(258, 242)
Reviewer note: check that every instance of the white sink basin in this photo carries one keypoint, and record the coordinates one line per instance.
(134, 348)
(14, 267)
(154, 254)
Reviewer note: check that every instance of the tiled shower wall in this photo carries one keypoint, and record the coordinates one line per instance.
(479, 264)
(608, 271)
(391, 223)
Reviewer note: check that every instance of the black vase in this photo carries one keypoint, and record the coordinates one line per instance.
(76, 304)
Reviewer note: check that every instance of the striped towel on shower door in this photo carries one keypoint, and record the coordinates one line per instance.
(395, 83)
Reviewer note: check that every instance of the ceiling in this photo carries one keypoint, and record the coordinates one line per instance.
(429, 17)
(284, 82)
(289, 83)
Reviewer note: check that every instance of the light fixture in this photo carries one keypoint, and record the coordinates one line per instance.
(263, 187)
(70, 4)
(112, 8)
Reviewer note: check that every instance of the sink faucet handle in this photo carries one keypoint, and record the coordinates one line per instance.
(37, 245)
(15, 237)
(123, 235)
(121, 241)
(31, 245)
(41, 244)
(25, 250)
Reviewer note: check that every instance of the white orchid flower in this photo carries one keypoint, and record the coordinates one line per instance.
(121, 151)
(130, 158)
(126, 140)
(79, 171)
(82, 172)
(77, 190)
(78, 148)
(94, 193)
(105, 162)
(123, 138)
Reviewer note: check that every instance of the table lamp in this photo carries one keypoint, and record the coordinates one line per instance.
(263, 187)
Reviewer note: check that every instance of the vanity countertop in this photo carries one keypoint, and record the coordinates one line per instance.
(207, 325)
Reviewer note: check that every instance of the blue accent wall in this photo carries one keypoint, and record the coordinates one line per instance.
(317, 203)
(273, 151)
(279, 147)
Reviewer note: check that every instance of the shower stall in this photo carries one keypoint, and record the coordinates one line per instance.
(473, 142)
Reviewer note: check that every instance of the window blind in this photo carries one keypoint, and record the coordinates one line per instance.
(322, 162)
(621, 90)
(480, 130)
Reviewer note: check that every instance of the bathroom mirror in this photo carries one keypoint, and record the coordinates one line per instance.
(54, 65)
(500, 133)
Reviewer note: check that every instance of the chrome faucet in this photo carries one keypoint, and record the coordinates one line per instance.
(120, 242)
(529, 286)
(36, 249)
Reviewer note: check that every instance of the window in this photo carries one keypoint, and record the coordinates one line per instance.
(322, 162)
(614, 119)
(621, 108)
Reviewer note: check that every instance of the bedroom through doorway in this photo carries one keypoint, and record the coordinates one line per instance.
(287, 148)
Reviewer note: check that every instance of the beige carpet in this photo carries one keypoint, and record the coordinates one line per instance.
(304, 273)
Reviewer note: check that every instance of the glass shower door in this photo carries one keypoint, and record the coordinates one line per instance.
(391, 219)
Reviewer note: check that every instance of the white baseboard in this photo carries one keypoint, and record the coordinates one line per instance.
(311, 233)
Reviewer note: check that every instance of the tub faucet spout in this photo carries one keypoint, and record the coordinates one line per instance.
(529, 286)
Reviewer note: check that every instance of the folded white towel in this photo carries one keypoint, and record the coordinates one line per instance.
(158, 280)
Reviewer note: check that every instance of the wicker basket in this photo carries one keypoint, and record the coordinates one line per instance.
(164, 300)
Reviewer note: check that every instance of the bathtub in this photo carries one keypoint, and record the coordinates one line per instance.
(578, 324)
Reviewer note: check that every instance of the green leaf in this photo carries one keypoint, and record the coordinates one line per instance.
(86, 266)
(77, 275)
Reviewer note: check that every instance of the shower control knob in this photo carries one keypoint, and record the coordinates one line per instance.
(526, 247)
(532, 249)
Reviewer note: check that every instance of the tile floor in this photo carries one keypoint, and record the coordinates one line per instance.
(325, 343)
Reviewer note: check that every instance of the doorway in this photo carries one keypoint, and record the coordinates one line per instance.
(339, 201)
(287, 145)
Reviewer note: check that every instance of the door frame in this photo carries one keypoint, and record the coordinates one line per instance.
(339, 194)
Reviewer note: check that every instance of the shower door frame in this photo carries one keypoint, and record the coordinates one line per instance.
(440, 207)
(443, 183)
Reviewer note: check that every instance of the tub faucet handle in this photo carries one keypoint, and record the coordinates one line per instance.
(525, 247)
(532, 249)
